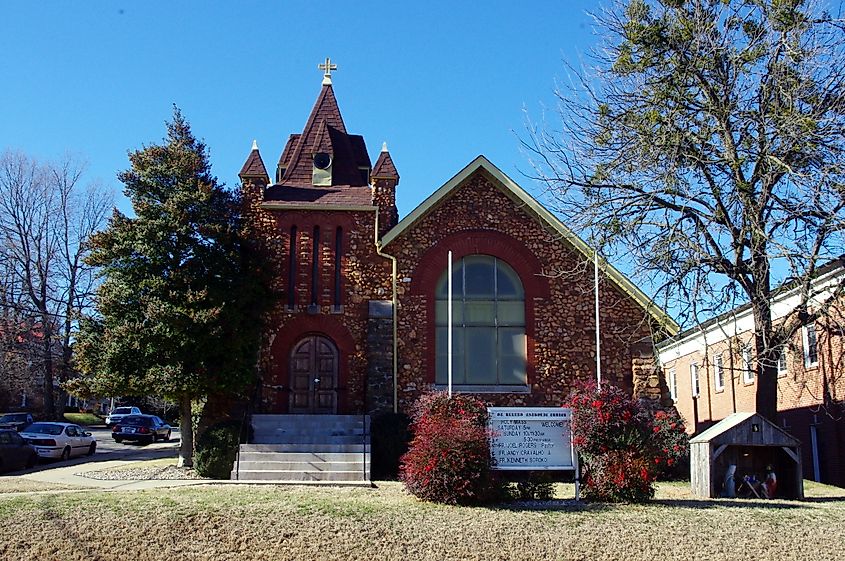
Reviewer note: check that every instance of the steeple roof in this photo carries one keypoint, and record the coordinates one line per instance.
(254, 165)
(385, 168)
(324, 132)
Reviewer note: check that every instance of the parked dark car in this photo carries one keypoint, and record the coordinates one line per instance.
(141, 428)
(15, 421)
(15, 452)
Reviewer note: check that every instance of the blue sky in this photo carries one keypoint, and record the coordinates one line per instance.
(441, 82)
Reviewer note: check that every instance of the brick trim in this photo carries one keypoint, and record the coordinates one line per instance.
(287, 338)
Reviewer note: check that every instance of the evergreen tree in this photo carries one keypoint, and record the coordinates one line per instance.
(180, 304)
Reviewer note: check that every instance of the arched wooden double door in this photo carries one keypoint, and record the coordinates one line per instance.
(314, 376)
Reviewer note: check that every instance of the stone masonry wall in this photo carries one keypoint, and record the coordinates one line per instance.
(365, 276)
(560, 327)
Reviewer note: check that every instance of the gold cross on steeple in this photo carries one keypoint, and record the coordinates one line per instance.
(327, 68)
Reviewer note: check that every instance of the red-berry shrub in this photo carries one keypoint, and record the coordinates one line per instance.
(448, 460)
(624, 444)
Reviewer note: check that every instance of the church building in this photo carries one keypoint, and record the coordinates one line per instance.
(361, 323)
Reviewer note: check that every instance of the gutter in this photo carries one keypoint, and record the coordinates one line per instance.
(395, 304)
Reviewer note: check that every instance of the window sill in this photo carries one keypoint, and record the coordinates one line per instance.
(811, 366)
(485, 388)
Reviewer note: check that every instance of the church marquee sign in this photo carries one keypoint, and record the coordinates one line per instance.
(531, 438)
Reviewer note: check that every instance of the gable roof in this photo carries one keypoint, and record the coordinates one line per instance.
(542, 215)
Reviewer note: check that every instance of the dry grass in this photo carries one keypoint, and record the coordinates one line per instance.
(16, 484)
(263, 522)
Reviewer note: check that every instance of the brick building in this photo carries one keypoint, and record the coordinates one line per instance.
(710, 374)
(524, 327)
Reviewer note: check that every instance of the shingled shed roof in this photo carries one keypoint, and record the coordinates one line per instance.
(738, 429)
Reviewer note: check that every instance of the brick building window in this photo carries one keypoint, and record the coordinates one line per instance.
(719, 373)
(747, 366)
(672, 382)
(811, 349)
(694, 381)
(488, 322)
(782, 368)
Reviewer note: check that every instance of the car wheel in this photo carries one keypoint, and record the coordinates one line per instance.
(167, 437)
(30, 462)
(92, 448)
(118, 439)
(65, 454)
(152, 440)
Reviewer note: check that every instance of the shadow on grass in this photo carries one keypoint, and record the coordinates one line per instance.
(570, 505)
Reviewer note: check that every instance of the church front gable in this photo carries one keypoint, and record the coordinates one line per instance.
(523, 303)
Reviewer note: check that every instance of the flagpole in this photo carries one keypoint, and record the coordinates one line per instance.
(598, 329)
(449, 324)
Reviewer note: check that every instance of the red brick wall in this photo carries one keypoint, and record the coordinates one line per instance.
(807, 396)
(560, 325)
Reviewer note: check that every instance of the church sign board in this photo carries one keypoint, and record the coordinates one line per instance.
(531, 438)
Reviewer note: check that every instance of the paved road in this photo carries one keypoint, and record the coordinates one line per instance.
(108, 449)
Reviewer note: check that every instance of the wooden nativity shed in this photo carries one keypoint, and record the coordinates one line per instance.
(751, 443)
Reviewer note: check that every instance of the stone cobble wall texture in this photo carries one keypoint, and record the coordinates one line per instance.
(478, 218)
(365, 276)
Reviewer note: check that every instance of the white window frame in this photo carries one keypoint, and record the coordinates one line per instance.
(718, 373)
(672, 382)
(748, 373)
(805, 339)
(695, 382)
(783, 363)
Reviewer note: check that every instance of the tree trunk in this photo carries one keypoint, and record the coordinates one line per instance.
(186, 445)
(767, 352)
(50, 408)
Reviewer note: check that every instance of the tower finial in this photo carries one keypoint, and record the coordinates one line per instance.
(384, 146)
(255, 145)
(327, 68)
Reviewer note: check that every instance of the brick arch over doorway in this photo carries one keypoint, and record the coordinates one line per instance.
(481, 242)
(276, 394)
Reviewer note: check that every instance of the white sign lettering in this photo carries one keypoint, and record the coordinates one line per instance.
(531, 438)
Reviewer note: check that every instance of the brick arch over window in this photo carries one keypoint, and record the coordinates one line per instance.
(290, 335)
(484, 242)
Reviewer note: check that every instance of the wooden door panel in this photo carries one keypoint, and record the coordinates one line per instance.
(313, 376)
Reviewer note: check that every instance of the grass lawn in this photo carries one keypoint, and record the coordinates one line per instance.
(266, 522)
(84, 419)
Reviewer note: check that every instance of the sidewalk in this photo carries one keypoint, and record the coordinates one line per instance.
(66, 475)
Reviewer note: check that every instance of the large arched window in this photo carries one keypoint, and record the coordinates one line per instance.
(488, 322)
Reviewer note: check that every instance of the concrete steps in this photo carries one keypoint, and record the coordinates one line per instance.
(306, 448)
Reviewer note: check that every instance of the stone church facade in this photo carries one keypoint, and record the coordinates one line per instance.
(360, 325)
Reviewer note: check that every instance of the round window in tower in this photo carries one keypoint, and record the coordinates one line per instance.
(322, 160)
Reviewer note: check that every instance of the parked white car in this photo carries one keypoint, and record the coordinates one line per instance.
(59, 440)
(119, 413)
